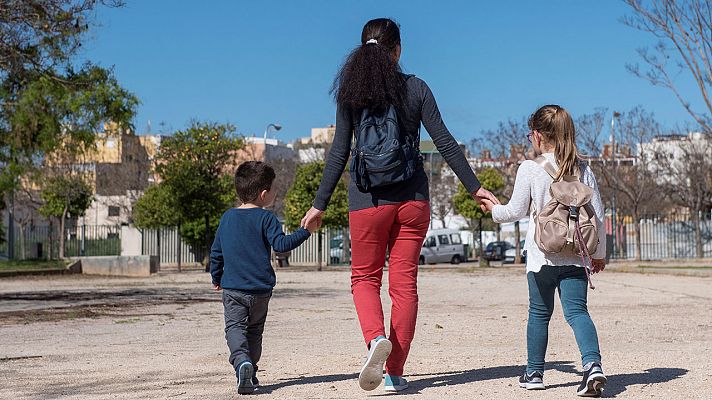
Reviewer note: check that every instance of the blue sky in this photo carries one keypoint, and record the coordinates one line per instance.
(253, 63)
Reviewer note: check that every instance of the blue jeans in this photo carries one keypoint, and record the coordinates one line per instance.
(572, 284)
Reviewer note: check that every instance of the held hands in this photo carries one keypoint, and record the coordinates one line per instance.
(598, 265)
(217, 288)
(486, 199)
(312, 220)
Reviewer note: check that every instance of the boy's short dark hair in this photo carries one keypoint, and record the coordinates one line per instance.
(251, 178)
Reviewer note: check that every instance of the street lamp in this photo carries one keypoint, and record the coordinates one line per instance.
(276, 128)
(614, 211)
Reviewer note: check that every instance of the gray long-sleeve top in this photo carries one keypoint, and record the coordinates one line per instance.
(420, 107)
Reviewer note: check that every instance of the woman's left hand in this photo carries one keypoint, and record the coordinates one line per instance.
(312, 215)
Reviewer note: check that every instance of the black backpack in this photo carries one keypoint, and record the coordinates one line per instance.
(382, 155)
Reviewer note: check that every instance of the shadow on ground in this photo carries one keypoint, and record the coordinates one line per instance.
(54, 305)
(617, 384)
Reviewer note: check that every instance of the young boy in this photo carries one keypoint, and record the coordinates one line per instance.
(240, 266)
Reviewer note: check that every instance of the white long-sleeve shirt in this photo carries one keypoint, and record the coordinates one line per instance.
(532, 185)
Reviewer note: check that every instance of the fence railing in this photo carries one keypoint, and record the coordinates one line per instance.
(171, 249)
(165, 243)
(42, 242)
(332, 249)
(662, 236)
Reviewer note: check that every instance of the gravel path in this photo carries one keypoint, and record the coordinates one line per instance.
(79, 337)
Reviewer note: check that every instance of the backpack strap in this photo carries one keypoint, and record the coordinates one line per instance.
(547, 165)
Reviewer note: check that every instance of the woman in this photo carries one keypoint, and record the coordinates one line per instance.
(393, 217)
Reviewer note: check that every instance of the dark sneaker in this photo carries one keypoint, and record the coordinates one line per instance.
(593, 381)
(533, 381)
(371, 373)
(245, 374)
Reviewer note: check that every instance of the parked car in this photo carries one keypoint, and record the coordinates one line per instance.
(509, 254)
(495, 251)
(336, 250)
(442, 245)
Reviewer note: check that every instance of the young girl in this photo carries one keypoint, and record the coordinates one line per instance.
(553, 135)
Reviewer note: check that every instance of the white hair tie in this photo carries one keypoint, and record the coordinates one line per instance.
(372, 41)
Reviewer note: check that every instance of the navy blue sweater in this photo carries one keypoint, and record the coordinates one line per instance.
(240, 256)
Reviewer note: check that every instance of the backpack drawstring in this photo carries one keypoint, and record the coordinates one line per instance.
(583, 253)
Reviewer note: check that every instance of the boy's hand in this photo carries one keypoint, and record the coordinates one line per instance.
(598, 265)
(216, 288)
(314, 225)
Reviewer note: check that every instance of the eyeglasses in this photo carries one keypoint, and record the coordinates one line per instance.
(530, 135)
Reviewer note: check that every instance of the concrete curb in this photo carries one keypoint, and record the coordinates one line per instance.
(29, 272)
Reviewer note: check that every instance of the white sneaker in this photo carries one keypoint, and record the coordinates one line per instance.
(372, 371)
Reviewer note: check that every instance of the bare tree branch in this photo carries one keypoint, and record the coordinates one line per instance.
(687, 26)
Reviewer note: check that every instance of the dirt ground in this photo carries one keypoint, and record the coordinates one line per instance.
(79, 337)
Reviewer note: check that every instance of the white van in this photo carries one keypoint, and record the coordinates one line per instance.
(442, 245)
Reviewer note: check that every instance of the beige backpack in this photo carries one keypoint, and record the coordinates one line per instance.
(567, 221)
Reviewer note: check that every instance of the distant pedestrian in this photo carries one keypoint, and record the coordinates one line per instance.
(553, 137)
(389, 210)
(240, 266)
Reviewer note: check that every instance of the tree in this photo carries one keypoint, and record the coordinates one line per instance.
(684, 166)
(285, 171)
(443, 187)
(195, 168)
(624, 170)
(301, 195)
(65, 196)
(466, 205)
(684, 30)
(155, 209)
(506, 147)
(45, 100)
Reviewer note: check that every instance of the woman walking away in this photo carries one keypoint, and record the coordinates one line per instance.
(566, 227)
(389, 210)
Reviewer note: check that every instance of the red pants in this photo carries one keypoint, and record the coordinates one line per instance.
(401, 228)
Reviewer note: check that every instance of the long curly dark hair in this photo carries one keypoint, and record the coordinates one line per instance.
(371, 76)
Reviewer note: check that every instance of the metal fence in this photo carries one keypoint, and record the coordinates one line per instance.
(171, 249)
(165, 243)
(328, 242)
(662, 236)
(42, 242)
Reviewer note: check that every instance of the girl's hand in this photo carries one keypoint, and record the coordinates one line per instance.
(217, 288)
(482, 194)
(598, 265)
(486, 205)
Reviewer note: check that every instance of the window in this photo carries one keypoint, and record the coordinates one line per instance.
(429, 242)
(455, 238)
(443, 240)
(114, 211)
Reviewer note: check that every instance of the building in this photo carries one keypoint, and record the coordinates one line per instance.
(323, 135)
(117, 167)
(267, 150)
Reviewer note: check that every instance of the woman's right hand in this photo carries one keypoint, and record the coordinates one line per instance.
(311, 216)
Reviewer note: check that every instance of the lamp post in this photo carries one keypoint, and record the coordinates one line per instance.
(276, 128)
(614, 225)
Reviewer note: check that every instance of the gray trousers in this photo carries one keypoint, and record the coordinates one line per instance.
(245, 316)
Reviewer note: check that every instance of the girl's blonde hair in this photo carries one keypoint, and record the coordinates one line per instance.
(556, 125)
